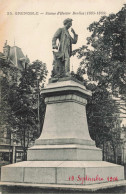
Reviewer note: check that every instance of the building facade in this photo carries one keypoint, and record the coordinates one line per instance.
(9, 151)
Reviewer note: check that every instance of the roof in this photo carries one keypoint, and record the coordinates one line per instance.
(15, 55)
(2, 56)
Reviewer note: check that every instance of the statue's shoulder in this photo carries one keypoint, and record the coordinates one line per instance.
(58, 32)
(60, 29)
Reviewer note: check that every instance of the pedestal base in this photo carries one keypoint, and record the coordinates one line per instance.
(62, 172)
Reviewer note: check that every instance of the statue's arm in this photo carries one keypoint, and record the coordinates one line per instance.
(55, 37)
(75, 37)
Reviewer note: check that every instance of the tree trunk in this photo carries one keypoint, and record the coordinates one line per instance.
(114, 152)
(103, 151)
(24, 157)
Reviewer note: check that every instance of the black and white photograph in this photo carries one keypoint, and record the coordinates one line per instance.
(62, 96)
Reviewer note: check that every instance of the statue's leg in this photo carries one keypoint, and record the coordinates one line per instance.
(58, 67)
(61, 68)
(67, 65)
(56, 64)
(54, 71)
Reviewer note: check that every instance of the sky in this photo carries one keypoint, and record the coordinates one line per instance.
(33, 33)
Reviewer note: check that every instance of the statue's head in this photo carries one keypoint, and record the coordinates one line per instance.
(67, 22)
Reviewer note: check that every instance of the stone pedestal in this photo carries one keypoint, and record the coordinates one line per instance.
(64, 149)
(65, 134)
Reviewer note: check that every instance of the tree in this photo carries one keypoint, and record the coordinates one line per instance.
(38, 77)
(24, 104)
(102, 115)
(104, 57)
(103, 62)
(7, 73)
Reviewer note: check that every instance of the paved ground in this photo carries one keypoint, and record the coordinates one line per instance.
(20, 190)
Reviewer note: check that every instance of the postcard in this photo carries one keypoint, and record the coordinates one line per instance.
(29, 31)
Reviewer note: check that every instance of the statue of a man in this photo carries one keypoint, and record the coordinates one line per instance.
(64, 49)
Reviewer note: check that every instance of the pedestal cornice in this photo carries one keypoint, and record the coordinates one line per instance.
(66, 87)
(65, 98)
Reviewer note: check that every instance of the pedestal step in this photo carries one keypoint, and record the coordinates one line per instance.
(63, 187)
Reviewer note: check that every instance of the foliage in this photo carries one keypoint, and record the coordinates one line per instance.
(23, 99)
(103, 63)
(101, 111)
(104, 58)
(6, 70)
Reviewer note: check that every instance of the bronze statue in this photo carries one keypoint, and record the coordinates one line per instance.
(61, 63)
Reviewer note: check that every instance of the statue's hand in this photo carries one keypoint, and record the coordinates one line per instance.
(72, 30)
(55, 47)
